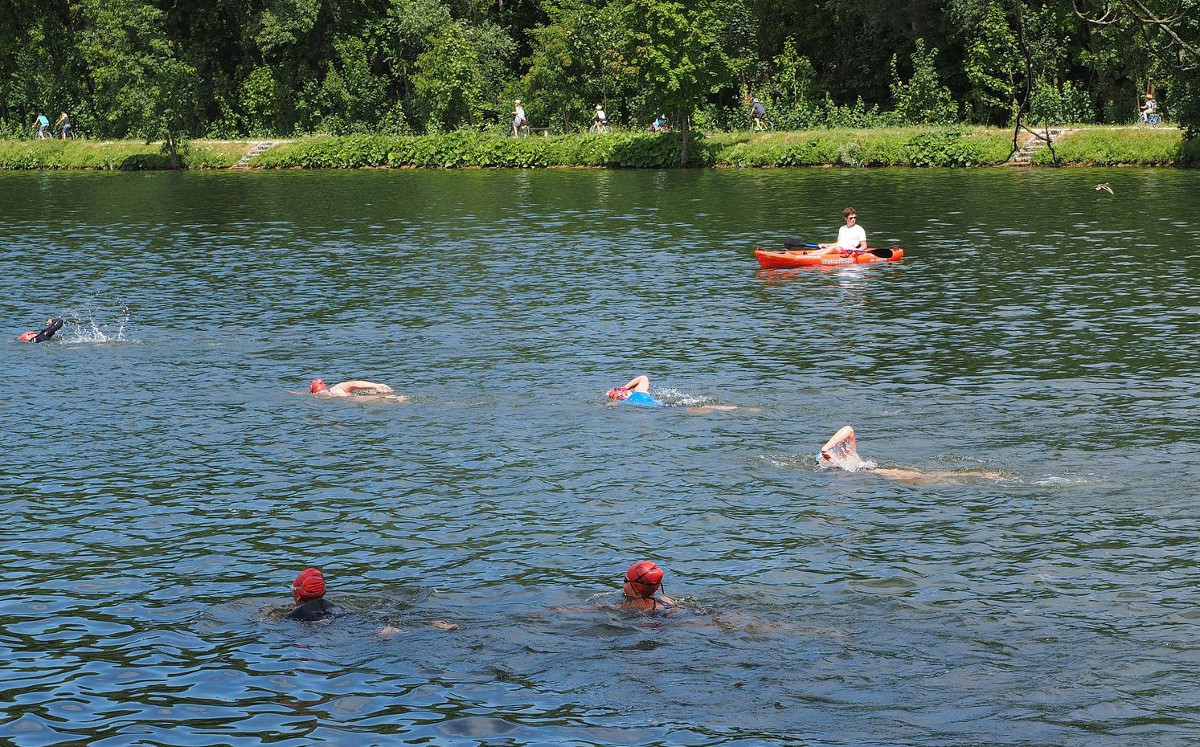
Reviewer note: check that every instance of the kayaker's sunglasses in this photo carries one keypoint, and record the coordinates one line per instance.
(851, 217)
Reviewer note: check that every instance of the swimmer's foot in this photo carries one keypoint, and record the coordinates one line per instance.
(443, 625)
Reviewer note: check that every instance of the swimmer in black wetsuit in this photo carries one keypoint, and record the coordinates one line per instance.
(309, 592)
(641, 581)
(52, 326)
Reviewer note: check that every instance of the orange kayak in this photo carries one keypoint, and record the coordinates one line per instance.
(813, 257)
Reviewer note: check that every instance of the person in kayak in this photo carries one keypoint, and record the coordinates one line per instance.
(308, 591)
(52, 326)
(841, 451)
(642, 580)
(354, 388)
(850, 236)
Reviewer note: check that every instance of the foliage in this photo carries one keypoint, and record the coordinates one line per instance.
(1107, 147)
(922, 99)
(123, 155)
(672, 45)
(1055, 106)
(171, 70)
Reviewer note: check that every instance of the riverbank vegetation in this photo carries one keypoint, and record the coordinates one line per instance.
(171, 70)
(917, 146)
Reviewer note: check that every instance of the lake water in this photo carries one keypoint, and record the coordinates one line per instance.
(164, 482)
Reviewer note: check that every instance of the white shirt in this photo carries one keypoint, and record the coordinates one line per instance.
(849, 237)
(520, 113)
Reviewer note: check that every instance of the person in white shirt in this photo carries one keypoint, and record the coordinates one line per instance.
(519, 120)
(850, 236)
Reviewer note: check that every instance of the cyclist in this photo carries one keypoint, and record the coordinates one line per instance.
(41, 126)
(660, 124)
(65, 121)
(519, 120)
(758, 113)
(1148, 113)
(599, 120)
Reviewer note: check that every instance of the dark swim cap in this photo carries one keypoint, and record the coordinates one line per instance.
(310, 584)
(644, 577)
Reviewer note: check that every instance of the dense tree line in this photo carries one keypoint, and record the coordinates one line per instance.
(238, 68)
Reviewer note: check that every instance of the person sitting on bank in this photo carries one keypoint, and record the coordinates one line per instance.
(850, 236)
(841, 451)
(354, 388)
(660, 124)
(52, 326)
(308, 591)
(642, 581)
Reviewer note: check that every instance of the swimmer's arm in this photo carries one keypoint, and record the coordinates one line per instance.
(846, 433)
(638, 384)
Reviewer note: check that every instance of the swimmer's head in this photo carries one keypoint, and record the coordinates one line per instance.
(618, 392)
(643, 579)
(310, 584)
(318, 386)
(27, 336)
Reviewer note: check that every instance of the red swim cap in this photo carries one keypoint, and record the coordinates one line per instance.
(318, 385)
(644, 577)
(27, 336)
(310, 584)
(618, 393)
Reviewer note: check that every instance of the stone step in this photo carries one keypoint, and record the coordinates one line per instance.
(260, 147)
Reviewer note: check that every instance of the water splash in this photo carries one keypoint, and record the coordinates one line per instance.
(96, 322)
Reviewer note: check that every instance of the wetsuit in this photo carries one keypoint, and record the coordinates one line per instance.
(641, 399)
(47, 332)
(314, 609)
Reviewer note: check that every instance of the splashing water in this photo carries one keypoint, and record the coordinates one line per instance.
(90, 324)
(845, 456)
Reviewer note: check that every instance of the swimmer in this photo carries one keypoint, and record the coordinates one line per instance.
(309, 592)
(642, 580)
(354, 388)
(52, 326)
(637, 393)
(841, 450)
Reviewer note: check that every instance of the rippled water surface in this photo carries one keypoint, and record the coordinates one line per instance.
(164, 481)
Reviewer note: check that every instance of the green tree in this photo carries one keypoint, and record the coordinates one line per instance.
(673, 45)
(923, 99)
(140, 87)
(577, 60)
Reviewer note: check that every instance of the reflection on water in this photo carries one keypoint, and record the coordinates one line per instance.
(163, 491)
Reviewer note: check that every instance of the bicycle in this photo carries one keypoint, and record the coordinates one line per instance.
(598, 128)
(762, 125)
(1153, 119)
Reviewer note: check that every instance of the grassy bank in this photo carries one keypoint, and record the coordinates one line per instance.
(890, 147)
(901, 146)
(1100, 146)
(114, 155)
